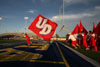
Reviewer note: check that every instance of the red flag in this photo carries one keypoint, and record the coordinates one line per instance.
(82, 28)
(97, 29)
(28, 39)
(93, 27)
(76, 29)
(43, 27)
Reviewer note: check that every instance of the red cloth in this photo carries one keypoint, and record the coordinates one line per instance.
(76, 29)
(97, 29)
(94, 43)
(28, 39)
(84, 41)
(33, 27)
(74, 42)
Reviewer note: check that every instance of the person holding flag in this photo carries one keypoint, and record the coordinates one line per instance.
(89, 39)
(74, 41)
(84, 40)
(93, 41)
(27, 39)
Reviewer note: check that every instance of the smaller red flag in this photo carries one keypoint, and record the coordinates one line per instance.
(76, 29)
(28, 39)
(93, 27)
(97, 29)
(43, 27)
(82, 28)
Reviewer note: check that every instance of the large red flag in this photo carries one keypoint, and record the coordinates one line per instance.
(93, 27)
(97, 29)
(76, 29)
(82, 28)
(43, 27)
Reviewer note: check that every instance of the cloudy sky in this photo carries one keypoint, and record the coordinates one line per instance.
(14, 11)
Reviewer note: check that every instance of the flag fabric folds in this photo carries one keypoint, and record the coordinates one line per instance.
(43, 27)
(79, 29)
(76, 30)
(97, 29)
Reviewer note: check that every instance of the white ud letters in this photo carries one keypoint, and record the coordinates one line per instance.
(46, 28)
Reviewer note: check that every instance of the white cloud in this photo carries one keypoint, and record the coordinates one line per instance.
(40, 1)
(55, 17)
(31, 11)
(72, 1)
(74, 16)
(8, 17)
(97, 7)
(69, 2)
(95, 11)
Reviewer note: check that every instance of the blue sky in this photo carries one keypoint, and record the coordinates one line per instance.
(14, 11)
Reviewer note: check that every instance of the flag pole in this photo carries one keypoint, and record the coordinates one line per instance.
(55, 18)
(60, 17)
(25, 18)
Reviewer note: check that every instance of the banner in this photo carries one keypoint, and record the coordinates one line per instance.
(43, 27)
